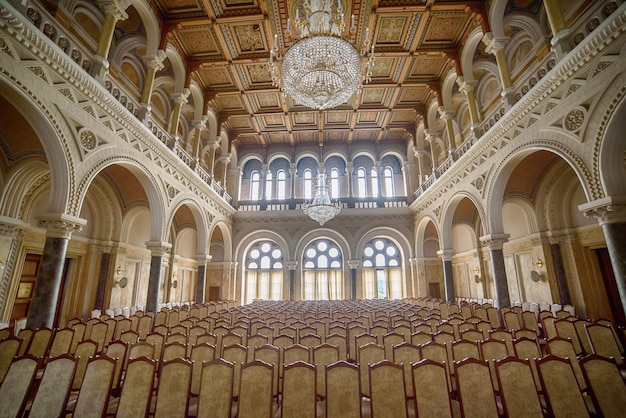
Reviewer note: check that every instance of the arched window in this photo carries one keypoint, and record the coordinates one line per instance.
(374, 175)
(281, 185)
(334, 183)
(361, 182)
(308, 184)
(268, 186)
(388, 181)
(255, 180)
(382, 270)
(322, 267)
(263, 272)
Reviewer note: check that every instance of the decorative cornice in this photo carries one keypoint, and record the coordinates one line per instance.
(608, 210)
(60, 225)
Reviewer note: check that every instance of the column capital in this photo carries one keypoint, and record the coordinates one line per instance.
(608, 210)
(155, 60)
(200, 123)
(430, 135)
(10, 227)
(158, 248)
(60, 225)
(446, 254)
(354, 264)
(350, 165)
(446, 114)
(466, 86)
(115, 8)
(494, 241)
(203, 258)
(493, 44)
(291, 265)
(224, 160)
(182, 97)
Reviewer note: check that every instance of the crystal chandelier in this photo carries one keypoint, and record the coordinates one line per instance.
(321, 209)
(322, 69)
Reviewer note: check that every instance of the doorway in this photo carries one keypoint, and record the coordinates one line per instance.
(608, 278)
(434, 290)
(26, 287)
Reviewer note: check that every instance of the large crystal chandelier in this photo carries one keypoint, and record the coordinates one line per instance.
(321, 209)
(322, 69)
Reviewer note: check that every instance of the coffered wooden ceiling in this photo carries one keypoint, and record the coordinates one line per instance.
(227, 44)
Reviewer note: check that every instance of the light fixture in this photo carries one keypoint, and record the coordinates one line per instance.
(3, 264)
(538, 263)
(321, 209)
(119, 270)
(323, 68)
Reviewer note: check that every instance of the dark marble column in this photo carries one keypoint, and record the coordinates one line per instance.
(560, 274)
(448, 278)
(495, 243)
(611, 214)
(158, 249)
(201, 283)
(48, 284)
(105, 259)
(354, 265)
(292, 265)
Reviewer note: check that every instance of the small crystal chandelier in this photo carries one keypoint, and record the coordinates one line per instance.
(322, 209)
(322, 69)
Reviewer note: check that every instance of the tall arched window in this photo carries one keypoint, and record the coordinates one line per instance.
(334, 183)
(374, 174)
(388, 181)
(322, 271)
(281, 185)
(361, 182)
(268, 186)
(255, 180)
(382, 270)
(308, 184)
(263, 272)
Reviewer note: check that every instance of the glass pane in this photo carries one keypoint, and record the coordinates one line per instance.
(335, 264)
(276, 253)
(277, 265)
(265, 262)
(369, 251)
(374, 183)
(379, 245)
(391, 251)
(254, 253)
(368, 263)
(253, 265)
(381, 285)
(380, 260)
(322, 246)
(322, 262)
(333, 252)
(311, 252)
(309, 265)
(266, 247)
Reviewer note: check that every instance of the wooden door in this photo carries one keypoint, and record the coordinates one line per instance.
(214, 293)
(26, 286)
(434, 290)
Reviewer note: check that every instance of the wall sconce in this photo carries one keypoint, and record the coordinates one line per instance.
(122, 283)
(3, 264)
(477, 270)
(477, 275)
(119, 270)
(538, 263)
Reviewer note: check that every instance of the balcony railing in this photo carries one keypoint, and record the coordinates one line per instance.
(344, 202)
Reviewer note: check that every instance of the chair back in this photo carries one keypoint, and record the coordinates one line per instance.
(606, 385)
(476, 393)
(299, 391)
(172, 398)
(54, 388)
(137, 388)
(518, 391)
(16, 385)
(343, 392)
(216, 389)
(255, 395)
(387, 391)
(93, 397)
(431, 391)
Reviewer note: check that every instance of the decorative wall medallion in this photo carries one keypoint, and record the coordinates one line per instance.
(88, 140)
(479, 183)
(171, 191)
(574, 119)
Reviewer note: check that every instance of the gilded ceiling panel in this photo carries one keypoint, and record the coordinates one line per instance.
(198, 40)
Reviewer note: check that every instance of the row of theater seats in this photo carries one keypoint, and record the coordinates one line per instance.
(191, 342)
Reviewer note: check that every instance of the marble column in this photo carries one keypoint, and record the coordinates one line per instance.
(446, 257)
(354, 265)
(467, 88)
(419, 154)
(448, 116)
(263, 173)
(560, 31)
(496, 46)
(611, 214)
(158, 250)
(225, 160)
(48, 284)
(432, 140)
(292, 265)
(11, 236)
(201, 281)
(378, 171)
(199, 126)
(495, 242)
(292, 183)
(559, 272)
(179, 100)
(103, 273)
(154, 63)
(114, 11)
(214, 144)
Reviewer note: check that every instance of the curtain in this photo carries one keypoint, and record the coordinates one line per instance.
(323, 284)
(276, 285)
(395, 283)
(368, 276)
(251, 280)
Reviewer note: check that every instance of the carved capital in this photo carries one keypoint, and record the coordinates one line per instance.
(182, 97)
(354, 264)
(494, 45)
(446, 254)
(60, 225)
(158, 248)
(155, 61)
(291, 265)
(115, 8)
(494, 241)
(608, 210)
(10, 227)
